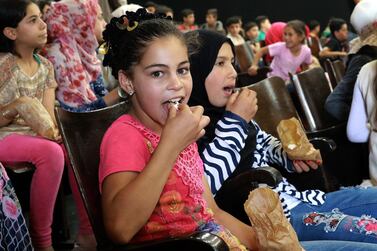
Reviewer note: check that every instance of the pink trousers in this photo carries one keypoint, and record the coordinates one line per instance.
(48, 158)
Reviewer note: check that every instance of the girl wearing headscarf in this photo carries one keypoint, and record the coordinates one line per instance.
(234, 141)
(74, 26)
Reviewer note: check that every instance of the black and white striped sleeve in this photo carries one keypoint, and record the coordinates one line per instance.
(221, 156)
(269, 151)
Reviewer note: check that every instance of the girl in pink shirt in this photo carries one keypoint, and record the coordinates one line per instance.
(151, 176)
(289, 55)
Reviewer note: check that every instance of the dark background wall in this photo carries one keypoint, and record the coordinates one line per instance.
(277, 10)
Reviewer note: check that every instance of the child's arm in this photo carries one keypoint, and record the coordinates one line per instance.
(7, 114)
(242, 231)
(326, 52)
(129, 198)
(254, 67)
(49, 102)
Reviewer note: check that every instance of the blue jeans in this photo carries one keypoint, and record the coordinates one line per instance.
(345, 215)
(337, 246)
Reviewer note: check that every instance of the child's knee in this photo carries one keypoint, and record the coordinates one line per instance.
(53, 153)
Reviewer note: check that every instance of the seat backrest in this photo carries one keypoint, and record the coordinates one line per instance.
(312, 90)
(339, 69)
(274, 103)
(315, 46)
(82, 135)
(329, 68)
(244, 56)
(244, 79)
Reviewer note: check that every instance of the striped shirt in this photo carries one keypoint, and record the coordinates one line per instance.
(222, 155)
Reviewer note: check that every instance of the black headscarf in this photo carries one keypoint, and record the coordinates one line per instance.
(202, 61)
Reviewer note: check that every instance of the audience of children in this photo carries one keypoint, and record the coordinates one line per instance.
(73, 28)
(232, 140)
(212, 23)
(188, 21)
(233, 27)
(289, 55)
(362, 50)
(337, 45)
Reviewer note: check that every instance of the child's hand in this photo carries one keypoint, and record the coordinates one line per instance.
(253, 70)
(243, 103)
(304, 165)
(184, 126)
(10, 111)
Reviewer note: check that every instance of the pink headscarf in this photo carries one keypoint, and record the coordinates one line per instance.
(275, 33)
(70, 25)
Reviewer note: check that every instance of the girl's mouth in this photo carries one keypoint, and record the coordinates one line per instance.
(174, 102)
(228, 90)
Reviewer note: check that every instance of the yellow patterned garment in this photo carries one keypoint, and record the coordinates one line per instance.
(14, 83)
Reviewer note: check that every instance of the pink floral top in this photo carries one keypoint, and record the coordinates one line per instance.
(72, 51)
(181, 210)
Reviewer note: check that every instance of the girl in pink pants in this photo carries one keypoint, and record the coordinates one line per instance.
(27, 78)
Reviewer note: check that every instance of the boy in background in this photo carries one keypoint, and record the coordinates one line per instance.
(212, 23)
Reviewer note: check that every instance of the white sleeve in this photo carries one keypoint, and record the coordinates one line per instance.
(357, 126)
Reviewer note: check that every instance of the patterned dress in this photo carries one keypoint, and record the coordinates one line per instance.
(14, 234)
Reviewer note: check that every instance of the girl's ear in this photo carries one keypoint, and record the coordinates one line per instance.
(125, 83)
(10, 33)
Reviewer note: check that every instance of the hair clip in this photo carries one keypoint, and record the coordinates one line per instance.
(103, 49)
(131, 28)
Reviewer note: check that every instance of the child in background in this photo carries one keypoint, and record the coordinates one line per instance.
(233, 142)
(74, 27)
(288, 55)
(144, 196)
(188, 18)
(151, 6)
(251, 32)
(314, 28)
(233, 27)
(337, 45)
(264, 25)
(212, 23)
(28, 77)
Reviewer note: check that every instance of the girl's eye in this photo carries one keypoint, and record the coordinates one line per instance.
(183, 71)
(220, 63)
(156, 74)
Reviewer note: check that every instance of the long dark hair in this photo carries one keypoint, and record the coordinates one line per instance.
(11, 13)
